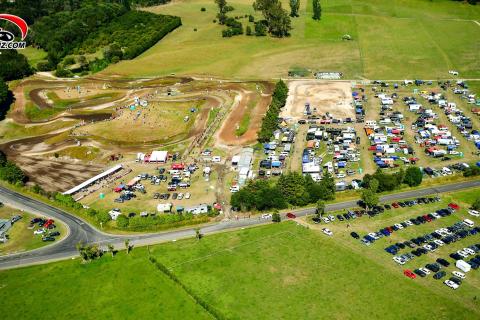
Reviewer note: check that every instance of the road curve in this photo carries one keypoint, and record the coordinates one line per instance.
(81, 231)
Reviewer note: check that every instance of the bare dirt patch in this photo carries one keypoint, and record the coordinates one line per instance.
(56, 175)
(333, 97)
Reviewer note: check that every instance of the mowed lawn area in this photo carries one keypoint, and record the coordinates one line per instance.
(391, 40)
(277, 271)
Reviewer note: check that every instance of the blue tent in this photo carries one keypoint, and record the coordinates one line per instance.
(342, 164)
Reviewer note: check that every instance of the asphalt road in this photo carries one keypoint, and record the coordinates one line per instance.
(81, 231)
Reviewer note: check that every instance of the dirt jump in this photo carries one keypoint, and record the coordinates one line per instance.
(333, 97)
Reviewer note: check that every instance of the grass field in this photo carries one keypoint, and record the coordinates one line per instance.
(125, 287)
(279, 271)
(21, 238)
(158, 122)
(391, 40)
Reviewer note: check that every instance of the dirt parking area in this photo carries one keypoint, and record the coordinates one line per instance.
(333, 97)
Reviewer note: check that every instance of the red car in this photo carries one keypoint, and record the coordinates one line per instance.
(409, 274)
(427, 218)
(454, 206)
(395, 205)
(48, 223)
(291, 215)
(390, 229)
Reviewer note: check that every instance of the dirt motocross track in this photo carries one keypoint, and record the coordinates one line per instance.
(227, 134)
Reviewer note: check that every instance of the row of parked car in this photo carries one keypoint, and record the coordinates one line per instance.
(431, 242)
(44, 225)
(175, 196)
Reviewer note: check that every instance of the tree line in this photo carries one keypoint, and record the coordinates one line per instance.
(291, 189)
(270, 121)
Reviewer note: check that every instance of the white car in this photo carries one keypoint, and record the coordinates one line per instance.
(327, 232)
(453, 72)
(39, 231)
(325, 219)
(399, 226)
(462, 253)
(234, 189)
(439, 242)
(341, 175)
(474, 213)
(373, 235)
(399, 260)
(453, 152)
(332, 218)
(451, 284)
(469, 251)
(428, 247)
(180, 196)
(459, 274)
(408, 222)
(436, 215)
(216, 159)
(266, 216)
(187, 195)
(425, 270)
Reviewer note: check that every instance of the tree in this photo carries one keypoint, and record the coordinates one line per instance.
(476, 204)
(127, 245)
(6, 98)
(317, 10)
(276, 217)
(370, 198)
(413, 176)
(277, 19)
(320, 207)
(248, 31)
(294, 6)
(222, 11)
(198, 234)
(373, 185)
(11, 173)
(14, 65)
(89, 252)
(111, 249)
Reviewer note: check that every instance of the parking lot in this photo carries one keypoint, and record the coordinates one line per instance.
(422, 238)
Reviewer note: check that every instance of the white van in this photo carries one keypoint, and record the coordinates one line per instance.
(468, 223)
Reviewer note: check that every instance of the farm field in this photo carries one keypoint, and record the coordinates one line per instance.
(391, 40)
(21, 238)
(275, 264)
(126, 287)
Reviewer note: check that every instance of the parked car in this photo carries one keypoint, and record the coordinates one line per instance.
(327, 232)
(48, 238)
(451, 284)
(439, 275)
(409, 274)
(355, 235)
(39, 231)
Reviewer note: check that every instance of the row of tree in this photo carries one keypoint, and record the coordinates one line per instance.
(270, 121)
(381, 181)
(291, 189)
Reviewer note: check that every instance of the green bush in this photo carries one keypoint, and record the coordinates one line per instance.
(103, 217)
